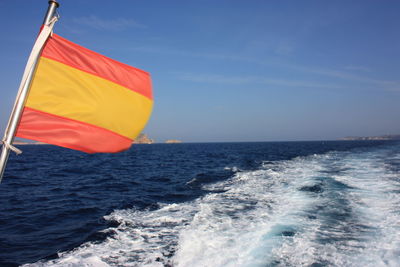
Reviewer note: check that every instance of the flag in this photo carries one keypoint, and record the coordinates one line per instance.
(85, 101)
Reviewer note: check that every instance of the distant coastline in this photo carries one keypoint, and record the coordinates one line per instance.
(141, 139)
(145, 139)
(370, 138)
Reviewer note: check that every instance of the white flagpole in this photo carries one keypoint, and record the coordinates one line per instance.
(9, 134)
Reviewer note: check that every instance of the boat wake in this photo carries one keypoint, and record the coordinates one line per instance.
(338, 208)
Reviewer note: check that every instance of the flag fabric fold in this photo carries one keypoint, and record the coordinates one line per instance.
(82, 100)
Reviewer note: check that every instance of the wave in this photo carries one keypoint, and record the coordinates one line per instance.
(338, 208)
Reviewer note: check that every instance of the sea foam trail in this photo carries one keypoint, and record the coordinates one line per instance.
(339, 208)
(357, 217)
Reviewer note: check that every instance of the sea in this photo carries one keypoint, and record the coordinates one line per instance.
(322, 203)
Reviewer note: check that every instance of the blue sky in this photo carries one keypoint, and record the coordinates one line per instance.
(235, 70)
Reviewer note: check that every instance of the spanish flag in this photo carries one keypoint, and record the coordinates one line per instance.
(85, 101)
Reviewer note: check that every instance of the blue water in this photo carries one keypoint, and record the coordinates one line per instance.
(216, 204)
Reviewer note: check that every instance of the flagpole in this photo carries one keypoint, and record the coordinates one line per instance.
(16, 113)
(51, 11)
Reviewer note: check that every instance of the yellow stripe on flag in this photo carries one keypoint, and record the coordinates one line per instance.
(71, 93)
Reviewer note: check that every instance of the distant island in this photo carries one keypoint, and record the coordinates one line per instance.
(370, 138)
(173, 141)
(143, 139)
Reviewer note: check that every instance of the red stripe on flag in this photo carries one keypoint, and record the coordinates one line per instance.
(60, 131)
(76, 56)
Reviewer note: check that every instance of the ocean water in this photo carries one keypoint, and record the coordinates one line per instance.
(217, 204)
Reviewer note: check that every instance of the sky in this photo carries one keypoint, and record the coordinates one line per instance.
(234, 70)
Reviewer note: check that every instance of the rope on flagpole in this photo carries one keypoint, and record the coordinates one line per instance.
(11, 147)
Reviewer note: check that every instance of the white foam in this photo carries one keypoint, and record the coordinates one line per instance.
(242, 225)
(261, 218)
(374, 203)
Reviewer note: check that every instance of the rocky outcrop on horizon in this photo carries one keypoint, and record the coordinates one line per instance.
(143, 139)
(173, 141)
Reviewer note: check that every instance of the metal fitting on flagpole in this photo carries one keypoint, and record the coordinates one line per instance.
(53, 5)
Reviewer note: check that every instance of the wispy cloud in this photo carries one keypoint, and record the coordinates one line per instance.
(284, 49)
(116, 24)
(357, 68)
(223, 79)
(344, 75)
(187, 53)
(347, 77)
(364, 83)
